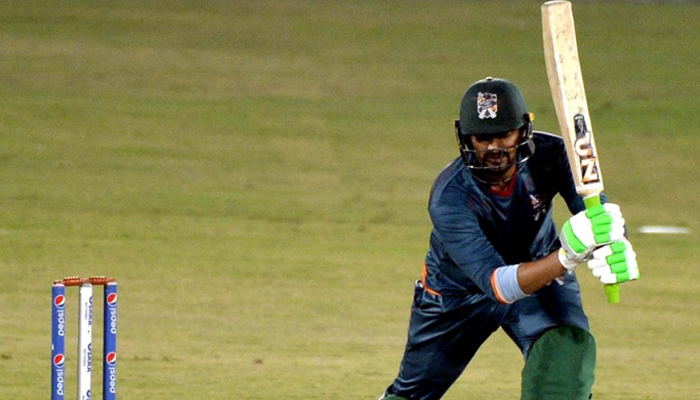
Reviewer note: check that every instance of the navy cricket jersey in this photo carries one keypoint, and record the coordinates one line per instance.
(476, 230)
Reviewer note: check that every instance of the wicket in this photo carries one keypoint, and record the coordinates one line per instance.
(58, 340)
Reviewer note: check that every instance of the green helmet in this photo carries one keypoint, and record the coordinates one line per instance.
(493, 106)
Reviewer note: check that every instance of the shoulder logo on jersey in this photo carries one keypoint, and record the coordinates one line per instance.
(538, 208)
(487, 105)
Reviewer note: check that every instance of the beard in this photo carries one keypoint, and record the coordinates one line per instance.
(497, 161)
(497, 166)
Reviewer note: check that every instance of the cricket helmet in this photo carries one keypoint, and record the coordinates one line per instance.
(493, 106)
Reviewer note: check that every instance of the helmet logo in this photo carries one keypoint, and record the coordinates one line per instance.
(487, 105)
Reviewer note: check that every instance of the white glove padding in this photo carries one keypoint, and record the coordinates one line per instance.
(589, 229)
(615, 263)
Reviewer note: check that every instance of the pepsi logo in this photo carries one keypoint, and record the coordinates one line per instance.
(59, 301)
(59, 360)
(111, 299)
(111, 358)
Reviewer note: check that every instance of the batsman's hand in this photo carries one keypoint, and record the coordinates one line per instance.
(615, 263)
(588, 230)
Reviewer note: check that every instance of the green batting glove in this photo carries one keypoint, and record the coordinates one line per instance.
(615, 263)
(588, 230)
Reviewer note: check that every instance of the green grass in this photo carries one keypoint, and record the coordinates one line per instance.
(255, 175)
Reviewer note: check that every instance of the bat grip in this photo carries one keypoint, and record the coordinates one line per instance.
(611, 290)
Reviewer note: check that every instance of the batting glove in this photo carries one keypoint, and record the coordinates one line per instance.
(588, 230)
(615, 263)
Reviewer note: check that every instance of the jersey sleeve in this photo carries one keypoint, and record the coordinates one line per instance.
(471, 257)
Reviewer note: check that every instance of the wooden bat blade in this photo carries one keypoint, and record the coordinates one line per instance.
(569, 96)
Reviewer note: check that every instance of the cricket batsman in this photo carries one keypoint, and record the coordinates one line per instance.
(497, 260)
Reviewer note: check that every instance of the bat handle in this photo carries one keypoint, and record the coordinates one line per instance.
(611, 290)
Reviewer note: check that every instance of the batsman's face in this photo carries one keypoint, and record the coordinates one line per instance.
(497, 153)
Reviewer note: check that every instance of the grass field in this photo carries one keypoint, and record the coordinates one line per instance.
(255, 175)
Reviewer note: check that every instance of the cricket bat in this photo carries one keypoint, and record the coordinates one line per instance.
(566, 84)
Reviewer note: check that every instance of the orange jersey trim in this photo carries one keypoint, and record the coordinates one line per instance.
(424, 278)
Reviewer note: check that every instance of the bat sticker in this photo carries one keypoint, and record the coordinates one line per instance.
(588, 160)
